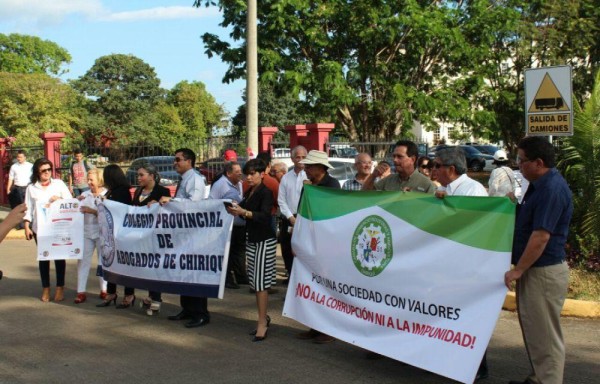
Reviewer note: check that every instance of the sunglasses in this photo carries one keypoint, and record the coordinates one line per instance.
(425, 166)
(45, 170)
(178, 159)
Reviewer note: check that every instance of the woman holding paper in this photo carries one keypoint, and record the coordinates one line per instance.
(91, 233)
(149, 190)
(45, 190)
(118, 190)
(255, 208)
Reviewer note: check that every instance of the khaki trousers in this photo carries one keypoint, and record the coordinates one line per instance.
(540, 297)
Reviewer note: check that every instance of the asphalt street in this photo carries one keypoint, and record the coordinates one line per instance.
(69, 343)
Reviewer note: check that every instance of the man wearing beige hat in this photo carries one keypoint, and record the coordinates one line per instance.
(316, 166)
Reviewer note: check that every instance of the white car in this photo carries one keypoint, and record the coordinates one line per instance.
(343, 169)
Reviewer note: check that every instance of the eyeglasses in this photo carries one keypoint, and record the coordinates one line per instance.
(45, 170)
(521, 161)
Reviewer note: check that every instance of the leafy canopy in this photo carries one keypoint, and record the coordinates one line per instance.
(30, 54)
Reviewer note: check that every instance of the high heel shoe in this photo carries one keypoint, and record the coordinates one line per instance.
(268, 323)
(81, 297)
(59, 295)
(260, 338)
(109, 298)
(45, 295)
(126, 303)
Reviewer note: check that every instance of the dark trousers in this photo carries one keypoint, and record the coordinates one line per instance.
(111, 288)
(237, 254)
(155, 296)
(197, 307)
(59, 265)
(16, 196)
(285, 239)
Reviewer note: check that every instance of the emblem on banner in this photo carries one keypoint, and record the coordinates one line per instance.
(107, 247)
(372, 246)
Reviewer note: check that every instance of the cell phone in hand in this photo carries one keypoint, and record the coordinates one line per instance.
(228, 204)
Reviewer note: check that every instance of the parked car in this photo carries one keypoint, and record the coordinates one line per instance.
(344, 152)
(486, 148)
(212, 167)
(279, 153)
(164, 165)
(476, 161)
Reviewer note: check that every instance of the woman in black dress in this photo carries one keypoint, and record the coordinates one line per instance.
(149, 190)
(118, 186)
(261, 243)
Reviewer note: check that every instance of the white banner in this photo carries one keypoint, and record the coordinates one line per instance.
(59, 230)
(411, 277)
(181, 247)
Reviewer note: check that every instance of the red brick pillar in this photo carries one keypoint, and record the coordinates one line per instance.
(4, 168)
(319, 135)
(297, 133)
(52, 149)
(265, 136)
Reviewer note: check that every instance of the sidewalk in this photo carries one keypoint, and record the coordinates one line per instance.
(69, 343)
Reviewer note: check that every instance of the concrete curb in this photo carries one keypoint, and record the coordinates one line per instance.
(572, 308)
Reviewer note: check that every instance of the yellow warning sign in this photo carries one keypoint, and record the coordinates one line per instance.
(549, 124)
(548, 98)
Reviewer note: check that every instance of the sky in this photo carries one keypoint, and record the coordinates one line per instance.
(164, 34)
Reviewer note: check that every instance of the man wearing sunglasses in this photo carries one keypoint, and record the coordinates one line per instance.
(191, 187)
(406, 178)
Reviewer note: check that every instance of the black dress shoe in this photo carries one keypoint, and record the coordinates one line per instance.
(482, 375)
(183, 315)
(197, 323)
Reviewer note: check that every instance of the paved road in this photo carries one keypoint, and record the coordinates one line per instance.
(69, 343)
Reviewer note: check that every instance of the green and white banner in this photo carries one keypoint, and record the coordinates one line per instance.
(406, 275)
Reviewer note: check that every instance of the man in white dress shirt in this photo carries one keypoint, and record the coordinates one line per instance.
(19, 177)
(191, 187)
(290, 188)
(450, 167)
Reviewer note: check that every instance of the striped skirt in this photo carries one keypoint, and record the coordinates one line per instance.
(261, 264)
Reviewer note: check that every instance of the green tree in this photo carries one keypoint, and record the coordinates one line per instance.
(197, 109)
(30, 54)
(375, 66)
(123, 90)
(580, 163)
(37, 103)
(275, 109)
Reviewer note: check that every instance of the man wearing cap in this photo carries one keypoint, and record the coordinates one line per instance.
(502, 179)
(363, 164)
(538, 254)
(316, 166)
(290, 188)
(407, 177)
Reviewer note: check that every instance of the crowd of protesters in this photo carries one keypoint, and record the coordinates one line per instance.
(263, 194)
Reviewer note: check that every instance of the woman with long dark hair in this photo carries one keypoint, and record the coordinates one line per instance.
(117, 187)
(148, 191)
(45, 190)
(261, 243)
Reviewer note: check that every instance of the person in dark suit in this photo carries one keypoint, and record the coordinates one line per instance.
(261, 243)
(118, 190)
(149, 190)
